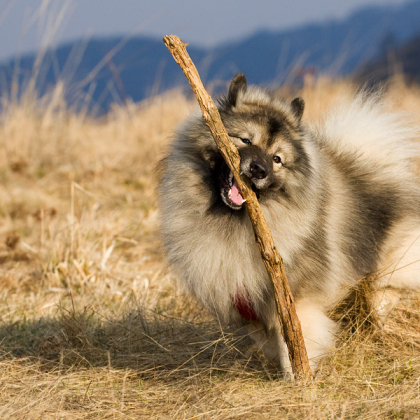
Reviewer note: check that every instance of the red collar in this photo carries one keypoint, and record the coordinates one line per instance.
(244, 306)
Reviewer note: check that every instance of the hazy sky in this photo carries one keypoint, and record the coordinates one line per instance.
(26, 24)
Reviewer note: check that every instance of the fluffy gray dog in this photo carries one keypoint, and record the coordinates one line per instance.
(342, 200)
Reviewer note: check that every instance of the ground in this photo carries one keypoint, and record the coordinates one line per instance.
(92, 322)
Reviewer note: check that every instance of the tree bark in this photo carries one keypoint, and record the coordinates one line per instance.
(286, 309)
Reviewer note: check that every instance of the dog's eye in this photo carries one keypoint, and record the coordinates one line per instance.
(246, 141)
(277, 159)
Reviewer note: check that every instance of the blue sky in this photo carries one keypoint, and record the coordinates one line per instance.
(27, 24)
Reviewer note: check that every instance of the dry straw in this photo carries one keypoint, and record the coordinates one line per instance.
(96, 328)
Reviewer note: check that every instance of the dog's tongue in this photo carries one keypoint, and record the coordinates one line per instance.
(235, 195)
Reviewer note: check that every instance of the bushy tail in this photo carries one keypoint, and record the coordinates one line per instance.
(366, 127)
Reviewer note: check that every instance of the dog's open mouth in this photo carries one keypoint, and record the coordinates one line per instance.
(229, 190)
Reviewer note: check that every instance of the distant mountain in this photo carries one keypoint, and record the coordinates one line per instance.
(401, 59)
(101, 71)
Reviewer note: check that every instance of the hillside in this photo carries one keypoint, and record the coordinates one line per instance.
(99, 72)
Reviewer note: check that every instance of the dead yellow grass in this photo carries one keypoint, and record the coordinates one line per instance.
(92, 324)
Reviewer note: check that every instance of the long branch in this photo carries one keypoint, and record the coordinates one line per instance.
(286, 309)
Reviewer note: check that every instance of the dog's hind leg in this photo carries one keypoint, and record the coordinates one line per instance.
(383, 301)
(398, 273)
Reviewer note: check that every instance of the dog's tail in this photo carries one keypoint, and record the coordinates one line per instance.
(366, 127)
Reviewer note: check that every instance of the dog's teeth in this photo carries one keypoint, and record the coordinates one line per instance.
(231, 178)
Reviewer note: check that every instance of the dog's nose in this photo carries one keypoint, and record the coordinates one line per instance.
(258, 170)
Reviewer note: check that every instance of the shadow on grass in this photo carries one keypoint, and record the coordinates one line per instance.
(154, 345)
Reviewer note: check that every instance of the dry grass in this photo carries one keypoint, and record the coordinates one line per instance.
(92, 324)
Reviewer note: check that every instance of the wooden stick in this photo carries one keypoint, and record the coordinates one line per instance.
(289, 321)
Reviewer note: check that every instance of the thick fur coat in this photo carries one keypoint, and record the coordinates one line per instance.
(341, 198)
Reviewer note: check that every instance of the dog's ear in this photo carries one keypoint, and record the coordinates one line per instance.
(298, 105)
(237, 85)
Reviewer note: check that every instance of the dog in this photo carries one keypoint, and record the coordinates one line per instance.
(341, 197)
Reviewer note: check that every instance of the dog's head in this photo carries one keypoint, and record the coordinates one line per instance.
(268, 134)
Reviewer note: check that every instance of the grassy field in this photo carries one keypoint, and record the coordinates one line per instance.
(92, 324)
